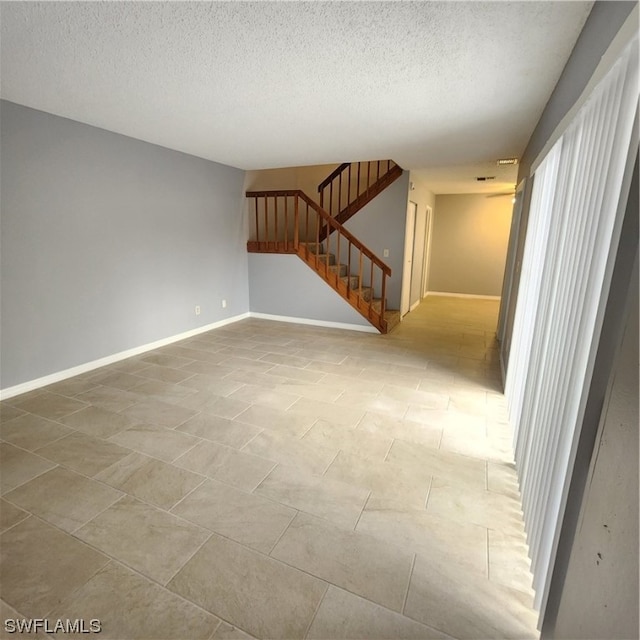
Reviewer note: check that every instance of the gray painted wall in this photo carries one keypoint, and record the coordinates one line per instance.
(469, 244)
(284, 285)
(601, 26)
(108, 243)
(381, 225)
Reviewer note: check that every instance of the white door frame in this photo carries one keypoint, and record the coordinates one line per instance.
(427, 253)
(409, 233)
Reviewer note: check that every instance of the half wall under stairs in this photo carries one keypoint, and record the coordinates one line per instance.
(290, 222)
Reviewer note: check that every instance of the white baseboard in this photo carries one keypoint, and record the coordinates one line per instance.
(44, 381)
(461, 295)
(414, 305)
(315, 323)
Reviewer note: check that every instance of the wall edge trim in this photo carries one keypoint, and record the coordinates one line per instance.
(461, 295)
(316, 323)
(64, 374)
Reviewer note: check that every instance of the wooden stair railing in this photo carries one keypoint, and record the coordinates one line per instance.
(291, 222)
(352, 185)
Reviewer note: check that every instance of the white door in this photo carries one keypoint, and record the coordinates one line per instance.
(409, 235)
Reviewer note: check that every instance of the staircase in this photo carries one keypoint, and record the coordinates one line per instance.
(291, 222)
(354, 184)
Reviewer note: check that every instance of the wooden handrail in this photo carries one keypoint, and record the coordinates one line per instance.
(356, 184)
(345, 232)
(336, 172)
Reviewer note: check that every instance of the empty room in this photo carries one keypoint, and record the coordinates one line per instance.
(319, 320)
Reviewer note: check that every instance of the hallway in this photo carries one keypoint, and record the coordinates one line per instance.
(283, 481)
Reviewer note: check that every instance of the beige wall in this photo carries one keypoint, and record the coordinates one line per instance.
(305, 178)
(469, 244)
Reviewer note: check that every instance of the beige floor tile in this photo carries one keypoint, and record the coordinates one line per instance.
(294, 373)
(120, 380)
(388, 482)
(63, 498)
(109, 398)
(291, 452)
(212, 369)
(347, 382)
(131, 607)
(345, 616)
(382, 378)
(373, 402)
(462, 471)
(259, 594)
(158, 413)
(10, 515)
(231, 433)
(466, 606)
(7, 412)
(151, 541)
(427, 399)
(18, 466)
(50, 405)
(41, 566)
(244, 364)
(165, 360)
(469, 443)
(8, 629)
(502, 478)
(229, 632)
(407, 430)
(165, 374)
(228, 465)
(255, 394)
(165, 391)
(129, 365)
(82, 453)
(463, 545)
(98, 422)
(483, 508)
(156, 441)
(283, 422)
(311, 391)
(337, 414)
(327, 498)
(218, 386)
(322, 356)
(32, 432)
(354, 561)
(150, 480)
(509, 563)
(73, 386)
(249, 519)
(286, 359)
(225, 407)
(358, 441)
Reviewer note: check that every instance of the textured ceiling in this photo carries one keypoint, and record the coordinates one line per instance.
(273, 84)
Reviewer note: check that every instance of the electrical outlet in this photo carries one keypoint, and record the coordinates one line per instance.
(197, 309)
(224, 304)
(385, 253)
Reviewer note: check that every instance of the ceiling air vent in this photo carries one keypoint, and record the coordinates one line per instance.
(485, 178)
(506, 161)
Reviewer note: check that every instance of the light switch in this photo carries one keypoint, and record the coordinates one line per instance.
(385, 253)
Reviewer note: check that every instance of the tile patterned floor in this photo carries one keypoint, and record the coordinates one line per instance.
(274, 481)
